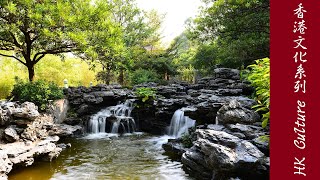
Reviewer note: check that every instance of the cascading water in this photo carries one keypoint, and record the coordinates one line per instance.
(180, 124)
(114, 119)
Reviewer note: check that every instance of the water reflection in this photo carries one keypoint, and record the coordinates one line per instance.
(108, 156)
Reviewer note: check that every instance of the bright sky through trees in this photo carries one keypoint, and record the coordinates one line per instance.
(177, 12)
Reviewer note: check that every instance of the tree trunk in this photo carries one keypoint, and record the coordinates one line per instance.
(108, 78)
(31, 72)
(166, 77)
(121, 76)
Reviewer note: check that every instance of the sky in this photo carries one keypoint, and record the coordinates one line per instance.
(177, 12)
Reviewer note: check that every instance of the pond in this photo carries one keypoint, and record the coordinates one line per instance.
(108, 156)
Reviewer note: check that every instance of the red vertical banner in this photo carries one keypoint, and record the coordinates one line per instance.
(295, 89)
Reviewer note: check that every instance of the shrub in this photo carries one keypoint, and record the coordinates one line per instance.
(142, 76)
(186, 140)
(145, 93)
(38, 92)
(259, 76)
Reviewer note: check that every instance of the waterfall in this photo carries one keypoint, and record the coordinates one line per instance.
(180, 124)
(113, 119)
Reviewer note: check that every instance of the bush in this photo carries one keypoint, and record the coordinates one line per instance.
(38, 92)
(142, 76)
(186, 140)
(259, 76)
(145, 93)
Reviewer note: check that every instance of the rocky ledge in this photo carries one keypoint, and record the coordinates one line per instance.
(27, 135)
(201, 101)
(219, 155)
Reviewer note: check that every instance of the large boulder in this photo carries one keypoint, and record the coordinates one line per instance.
(24, 153)
(27, 110)
(249, 131)
(59, 109)
(174, 147)
(11, 135)
(233, 112)
(227, 73)
(64, 130)
(226, 156)
(86, 101)
(37, 129)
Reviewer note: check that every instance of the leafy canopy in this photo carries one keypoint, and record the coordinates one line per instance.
(31, 29)
(237, 31)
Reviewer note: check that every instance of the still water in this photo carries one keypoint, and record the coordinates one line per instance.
(108, 156)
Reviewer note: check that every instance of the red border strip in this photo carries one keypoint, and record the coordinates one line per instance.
(283, 98)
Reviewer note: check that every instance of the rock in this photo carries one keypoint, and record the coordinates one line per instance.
(5, 164)
(91, 99)
(175, 147)
(64, 146)
(244, 101)
(216, 127)
(103, 94)
(21, 122)
(227, 73)
(228, 92)
(233, 112)
(87, 101)
(23, 154)
(224, 154)
(2, 138)
(11, 135)
(249, 131)
(3, 177)
(83, 109)
(64, 130)
(73, 121)
(59, 110)
(170, 91)
(203, 113)
(262, 144)
(4, 116)
(148, 85)
(195, 163)
(27, 110)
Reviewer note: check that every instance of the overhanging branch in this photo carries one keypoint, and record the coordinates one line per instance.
(5, 55)
(38, 56)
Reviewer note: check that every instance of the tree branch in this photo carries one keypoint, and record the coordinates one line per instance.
(38, 56)
(5, 55)
(15, 42)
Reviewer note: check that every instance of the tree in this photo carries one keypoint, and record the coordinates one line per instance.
(31, 29)
(138, 29)
(238, 31)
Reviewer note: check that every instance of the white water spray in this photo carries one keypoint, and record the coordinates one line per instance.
(122, 119)
(180, 124)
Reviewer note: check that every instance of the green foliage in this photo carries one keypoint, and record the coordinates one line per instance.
(38, 92)
(187, 140)
(206, 57)
(52, 69)
(145, 94)
(265, 138)
(143, 75)
(135, 30)
(34, 29)
(231, 32)
(259, 76)
(182, 53)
